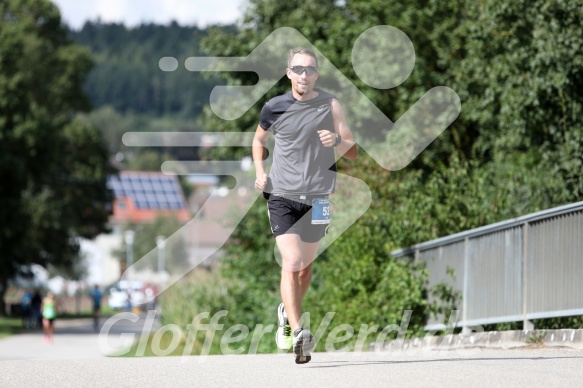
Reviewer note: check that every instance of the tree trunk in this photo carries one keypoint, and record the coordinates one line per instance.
(3, 288)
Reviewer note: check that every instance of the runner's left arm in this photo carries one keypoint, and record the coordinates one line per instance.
(347, 146)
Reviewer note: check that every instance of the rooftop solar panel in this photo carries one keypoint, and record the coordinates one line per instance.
(118, 192)
(148, 190)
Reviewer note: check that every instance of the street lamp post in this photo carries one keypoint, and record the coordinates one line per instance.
(129, 237)
(161, 244)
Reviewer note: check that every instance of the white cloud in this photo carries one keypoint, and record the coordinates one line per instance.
(134, 12)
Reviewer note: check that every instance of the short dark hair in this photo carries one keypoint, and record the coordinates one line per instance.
(305, 51)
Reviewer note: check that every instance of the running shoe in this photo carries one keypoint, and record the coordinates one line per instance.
(303, 343)
(283, 337)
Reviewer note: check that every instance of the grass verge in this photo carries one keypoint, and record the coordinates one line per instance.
(9, 326)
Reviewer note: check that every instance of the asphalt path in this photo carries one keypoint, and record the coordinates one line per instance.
(488, 368)
(77, 339)
(75, 359)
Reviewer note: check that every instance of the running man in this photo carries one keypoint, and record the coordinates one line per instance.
(308, 125)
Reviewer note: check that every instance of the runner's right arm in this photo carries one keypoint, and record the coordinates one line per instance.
(258, 150)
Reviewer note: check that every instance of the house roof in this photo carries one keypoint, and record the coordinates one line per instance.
(148, 190)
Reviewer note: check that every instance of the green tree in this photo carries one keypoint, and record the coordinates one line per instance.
(53, 168)
(514, 149)
(112, 124)
(127, 75)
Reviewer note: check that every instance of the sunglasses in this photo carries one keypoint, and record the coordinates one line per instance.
(300, 69)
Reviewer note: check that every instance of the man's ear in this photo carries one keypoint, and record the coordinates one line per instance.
(288, 72)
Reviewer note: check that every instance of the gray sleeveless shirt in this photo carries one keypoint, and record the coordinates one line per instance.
(301, 163)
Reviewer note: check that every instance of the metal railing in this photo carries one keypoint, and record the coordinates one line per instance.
(521, 269)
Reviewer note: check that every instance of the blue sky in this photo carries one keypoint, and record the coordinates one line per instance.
(134, 12)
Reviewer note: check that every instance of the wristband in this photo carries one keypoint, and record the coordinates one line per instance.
(338, 140)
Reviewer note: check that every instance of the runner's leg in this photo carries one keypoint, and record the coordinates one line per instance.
(296, 273)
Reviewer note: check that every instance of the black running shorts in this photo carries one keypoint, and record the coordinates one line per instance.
(287, 216)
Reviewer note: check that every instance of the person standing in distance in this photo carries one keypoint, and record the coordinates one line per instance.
(308, 125)
(49, 313)
(96, 296)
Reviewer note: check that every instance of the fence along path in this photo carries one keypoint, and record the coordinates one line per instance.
(516, 270)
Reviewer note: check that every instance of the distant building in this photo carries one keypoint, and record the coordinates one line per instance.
(141, 196)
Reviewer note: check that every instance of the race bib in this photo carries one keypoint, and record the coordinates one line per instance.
(320, 211)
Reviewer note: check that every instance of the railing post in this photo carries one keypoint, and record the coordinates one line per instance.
(465, 328)
(526, 324)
